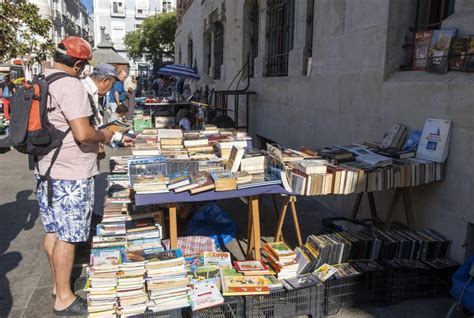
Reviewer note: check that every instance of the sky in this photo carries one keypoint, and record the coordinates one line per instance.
(88, 4)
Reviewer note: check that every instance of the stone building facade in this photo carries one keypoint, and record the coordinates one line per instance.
(329, 72)
(68, 17)
(122, 16)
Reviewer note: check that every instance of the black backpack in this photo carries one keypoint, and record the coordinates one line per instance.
(30, 130)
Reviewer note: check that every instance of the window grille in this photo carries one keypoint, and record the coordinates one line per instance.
(280, 33)
(218, 49)
(255, 22)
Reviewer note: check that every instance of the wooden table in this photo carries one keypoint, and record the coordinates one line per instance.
(253, 194)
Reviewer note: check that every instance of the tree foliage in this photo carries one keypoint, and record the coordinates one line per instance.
(24, 33)
(153, 40)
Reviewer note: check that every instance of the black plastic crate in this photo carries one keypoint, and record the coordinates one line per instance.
(233, 307)
(174, 313)
(375, 288)
(411, 283)
(342, 292)
(285, 304)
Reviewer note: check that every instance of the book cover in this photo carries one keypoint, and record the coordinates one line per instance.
(204, 181)
(434, 141)
(204, 295)
(221, 259)
(164, 255)
(106, 257)
(389, 136)
(252, 267)
(469, 61)
(116, 126)
(236, 155)
(420, 49)
(457, 53)
(325, 271)
(302, 281)
(280, 249)
(412, 142)
(244, 285)
(438, 52)
(140, 225)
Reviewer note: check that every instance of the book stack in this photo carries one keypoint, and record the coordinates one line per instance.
(281, 259)
(224, 180)
(141, 122)
(224, 147)
(167, 281)
(253, 162)
(143, 233)
(101, 284)
(150, 184)
(131, 291)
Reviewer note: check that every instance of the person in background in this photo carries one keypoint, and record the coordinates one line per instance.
(66, 200)
(116, 96)
(130, 103)
(138, 91)
(8, 89)
(184, 122)
(157, 85)
(98, 84)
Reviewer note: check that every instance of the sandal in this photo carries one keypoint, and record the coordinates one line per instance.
(77, 308)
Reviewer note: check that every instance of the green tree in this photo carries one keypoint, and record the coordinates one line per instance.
(24, 33)
(153, 40)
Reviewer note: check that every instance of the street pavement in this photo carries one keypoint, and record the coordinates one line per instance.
(25, 278)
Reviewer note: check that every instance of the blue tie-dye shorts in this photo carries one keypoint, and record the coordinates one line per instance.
(70, 214)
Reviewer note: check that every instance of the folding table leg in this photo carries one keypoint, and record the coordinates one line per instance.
(295, 220)
(392, 211)
(355, 208)
(254, 232)
(408, 210)
(173, 226)
(275, 211)
(281, 219)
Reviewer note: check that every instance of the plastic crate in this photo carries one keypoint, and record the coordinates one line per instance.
(342, 292)
(233, 307)
(174, 313)
(375, 288)
(286, 304)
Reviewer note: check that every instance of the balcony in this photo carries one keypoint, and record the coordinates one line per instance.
(141, 13)
(117, 9)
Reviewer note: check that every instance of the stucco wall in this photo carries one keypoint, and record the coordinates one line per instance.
(355, 92)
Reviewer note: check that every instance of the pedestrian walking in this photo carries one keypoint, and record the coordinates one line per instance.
(66, 220)
(8, 89)
(117, 97)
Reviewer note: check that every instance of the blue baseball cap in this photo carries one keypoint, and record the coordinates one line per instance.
(104, 69)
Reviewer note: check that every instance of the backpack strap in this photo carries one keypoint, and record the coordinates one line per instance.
(47, 176)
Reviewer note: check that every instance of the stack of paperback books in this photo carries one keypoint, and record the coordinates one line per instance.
(281, 259)
(143, 233)
(102, 281)
(167, 280)
(131, 291)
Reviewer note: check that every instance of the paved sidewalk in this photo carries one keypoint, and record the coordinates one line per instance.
(25, 279)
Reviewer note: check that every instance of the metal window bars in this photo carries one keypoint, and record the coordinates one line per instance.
(280, 33)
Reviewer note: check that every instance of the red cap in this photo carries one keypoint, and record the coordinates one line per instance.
(76, 47)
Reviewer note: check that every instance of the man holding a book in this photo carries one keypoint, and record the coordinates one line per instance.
(66, 196)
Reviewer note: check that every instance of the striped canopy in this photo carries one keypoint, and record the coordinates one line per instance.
(179, 71)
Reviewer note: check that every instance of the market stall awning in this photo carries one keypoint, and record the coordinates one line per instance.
(179, 71)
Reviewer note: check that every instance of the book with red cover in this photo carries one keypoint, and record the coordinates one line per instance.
(421, 45)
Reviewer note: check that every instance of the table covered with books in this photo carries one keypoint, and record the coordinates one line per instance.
(132, 272)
